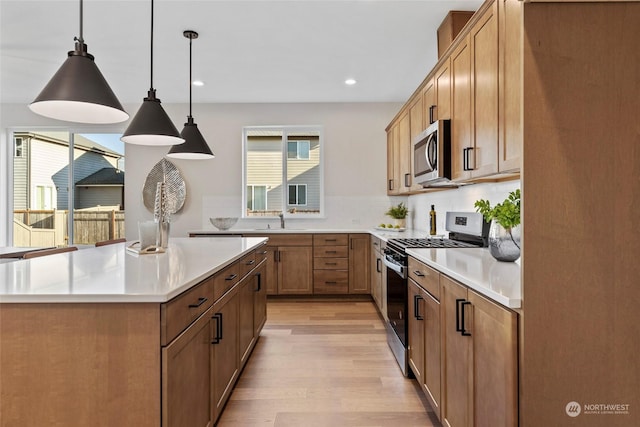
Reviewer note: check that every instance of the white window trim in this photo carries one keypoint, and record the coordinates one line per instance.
(285, 132)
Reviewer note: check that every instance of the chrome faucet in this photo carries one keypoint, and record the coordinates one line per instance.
(281, 215)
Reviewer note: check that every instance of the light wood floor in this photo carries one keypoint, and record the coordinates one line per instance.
(324, 364)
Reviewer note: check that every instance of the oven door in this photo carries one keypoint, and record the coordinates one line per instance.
(397, 297)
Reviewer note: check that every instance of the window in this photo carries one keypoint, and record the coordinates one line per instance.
(298, 194)
(18, 147)
(283, 171)
(257, 197)
(68, 188)
(298, 150)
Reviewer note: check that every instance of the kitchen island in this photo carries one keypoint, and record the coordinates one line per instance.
(105, 337)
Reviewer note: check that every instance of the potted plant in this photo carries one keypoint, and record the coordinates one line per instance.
(504, 233)
(399, 213)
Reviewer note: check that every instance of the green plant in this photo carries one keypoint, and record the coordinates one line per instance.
(507, 213)
(398, 212)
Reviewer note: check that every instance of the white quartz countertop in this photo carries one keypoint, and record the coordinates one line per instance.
(477, 269)
(113, 274)
(382, 234)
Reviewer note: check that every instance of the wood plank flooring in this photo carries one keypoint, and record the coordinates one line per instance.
(324, 364)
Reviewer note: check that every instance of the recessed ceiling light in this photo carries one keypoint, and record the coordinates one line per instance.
(350, 82)
(198, 83)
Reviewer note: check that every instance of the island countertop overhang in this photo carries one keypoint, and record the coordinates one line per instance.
(111, 274)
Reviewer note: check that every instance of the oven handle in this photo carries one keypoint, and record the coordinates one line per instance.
(399, 269)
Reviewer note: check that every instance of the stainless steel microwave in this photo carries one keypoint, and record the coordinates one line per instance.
(432, 155)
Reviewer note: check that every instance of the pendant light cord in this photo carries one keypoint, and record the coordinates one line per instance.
(81, 38)
(190, 76)
(151, 45)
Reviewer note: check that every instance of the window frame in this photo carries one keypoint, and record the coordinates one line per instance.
(286, 131)
(253, 192)
(298, 142)
(15, 147)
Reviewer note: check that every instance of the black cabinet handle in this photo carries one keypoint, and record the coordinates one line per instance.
(277, 254)
(458, 327)
(263, 252)
(378, 262)
(418, 273)
(330, 240)
(431, 119)
(233, 276)
(331, 263)
(201, 301)
(416, 307)
(251, 262)
(464, 331)
(218, 337)
(259, 277)
(466, 164)
(406, 180)
(330, 252)
(390, 185)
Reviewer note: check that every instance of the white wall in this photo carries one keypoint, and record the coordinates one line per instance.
(459, 200)
(354, 162)
(354, 166)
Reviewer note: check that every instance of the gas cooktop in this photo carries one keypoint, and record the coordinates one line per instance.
(437, 242)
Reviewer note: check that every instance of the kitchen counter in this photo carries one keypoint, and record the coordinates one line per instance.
(110, 274)
(382, 234)
(478, 270)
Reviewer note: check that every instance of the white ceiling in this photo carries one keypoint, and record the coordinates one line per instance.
(248, 51)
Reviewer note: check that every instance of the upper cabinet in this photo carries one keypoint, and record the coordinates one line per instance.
(477, 84)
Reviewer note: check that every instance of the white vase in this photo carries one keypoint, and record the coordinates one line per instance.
(504, 244)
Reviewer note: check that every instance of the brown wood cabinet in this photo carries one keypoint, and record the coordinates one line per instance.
(417, 125)
(226, 360)
(393, 159)
(480, 359)
(461, 125)
(330, 263)
(187, 376)
(442, 79)
(289, 268)
(450, 27)
(425, 331)
(359, 264)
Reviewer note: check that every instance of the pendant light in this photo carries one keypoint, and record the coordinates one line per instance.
(78, 92)
(151, 125)
(194, 147)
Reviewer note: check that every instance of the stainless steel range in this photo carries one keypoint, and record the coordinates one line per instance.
(466, 230)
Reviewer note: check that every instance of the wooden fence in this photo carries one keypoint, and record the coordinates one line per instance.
(89, 226)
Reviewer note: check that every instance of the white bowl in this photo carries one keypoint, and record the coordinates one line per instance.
(223, 223)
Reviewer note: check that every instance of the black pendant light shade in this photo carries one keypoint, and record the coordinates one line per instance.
(151, 125)
(195, 147)
(78, 92)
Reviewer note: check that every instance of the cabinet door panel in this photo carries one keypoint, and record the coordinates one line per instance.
(359, 263)
(271, 275)
(432, 353)
(484, 81)
(443, 91)
(457, 351)
(295, 270)
(260, 299)
(187, 377)
(246, 323)
(416, 330)
(226, 350)
(495, 363)
(460, 109)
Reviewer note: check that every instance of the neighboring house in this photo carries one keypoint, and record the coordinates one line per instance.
(264, 173)
(41, 172)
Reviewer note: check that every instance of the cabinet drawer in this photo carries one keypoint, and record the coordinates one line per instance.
(225, 279)
(182, 310)
(425, 276)
(247, 263)
(261, 254)
(331, 263)
(330, 239)
(276, 239)
(330, 282)
(331, 251)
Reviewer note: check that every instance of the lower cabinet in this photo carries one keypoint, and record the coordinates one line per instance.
(376, 274)
(187, 376)
(225, 348)
(201, 365)
(359, 264)
(480, 358)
